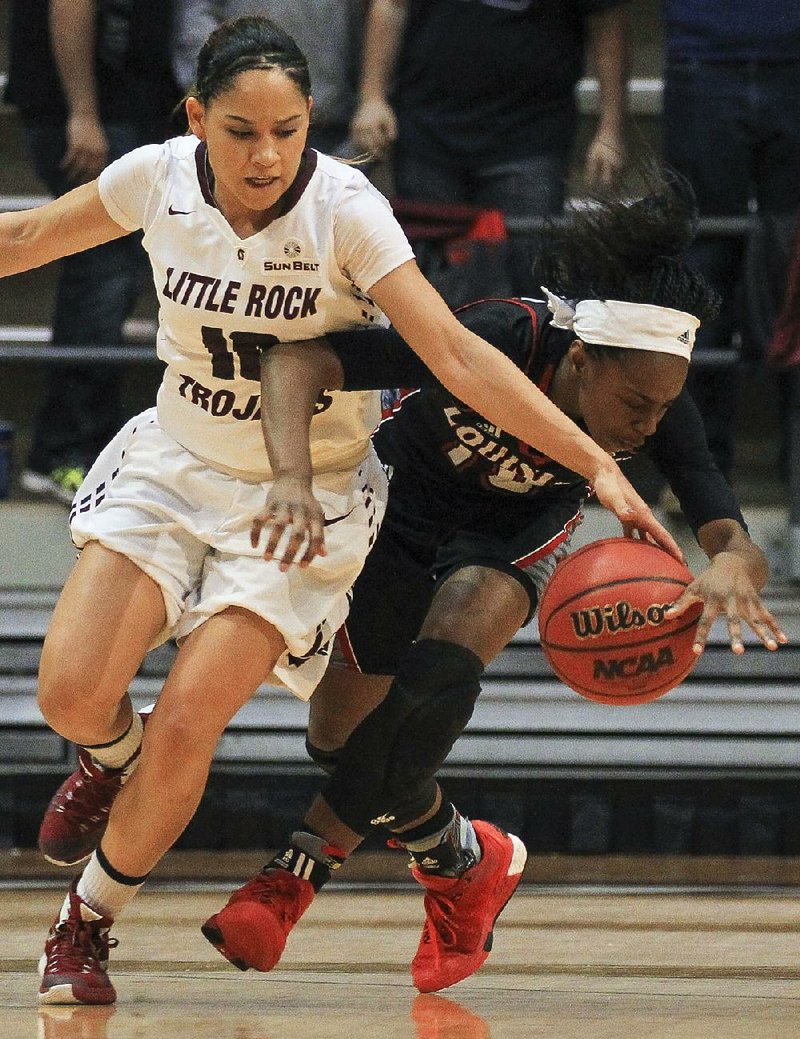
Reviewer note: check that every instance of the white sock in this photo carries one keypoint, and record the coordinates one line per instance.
(120, 752)
(104, 893)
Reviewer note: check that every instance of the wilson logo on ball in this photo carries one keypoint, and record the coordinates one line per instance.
(622, 616)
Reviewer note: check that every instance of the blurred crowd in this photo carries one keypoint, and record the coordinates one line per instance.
(465, 113)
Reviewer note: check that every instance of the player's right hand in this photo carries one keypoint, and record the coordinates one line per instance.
(294, 523)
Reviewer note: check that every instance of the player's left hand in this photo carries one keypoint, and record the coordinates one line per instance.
(613, 489)
(726, 590)
(292, 509)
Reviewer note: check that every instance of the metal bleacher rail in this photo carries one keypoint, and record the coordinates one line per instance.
(732, 716)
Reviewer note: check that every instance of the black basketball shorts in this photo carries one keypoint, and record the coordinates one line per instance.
(428, 533)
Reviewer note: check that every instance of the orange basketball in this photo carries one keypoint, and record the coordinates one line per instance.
(602, 625)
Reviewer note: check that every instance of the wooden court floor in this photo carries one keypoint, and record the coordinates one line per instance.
(568, 963)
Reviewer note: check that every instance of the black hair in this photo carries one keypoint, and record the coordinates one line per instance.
(241, 45)
(629, 249)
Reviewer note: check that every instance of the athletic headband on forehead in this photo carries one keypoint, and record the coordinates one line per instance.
(637, 326)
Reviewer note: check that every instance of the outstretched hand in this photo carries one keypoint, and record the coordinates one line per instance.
(616, 492)
(726, 590)
(291, 512)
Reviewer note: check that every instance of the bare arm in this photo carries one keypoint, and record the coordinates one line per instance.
(295, 373)
(70, 224)
(472, 369)
(73, 39)
(493, 386)
(608, 49)
(730, 587)
(374, 126)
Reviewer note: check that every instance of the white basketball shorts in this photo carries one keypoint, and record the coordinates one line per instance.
(187, 526)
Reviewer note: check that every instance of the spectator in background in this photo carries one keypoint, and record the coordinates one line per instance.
(91, 80)
(328, 31)
(732, 127)
(476, 101)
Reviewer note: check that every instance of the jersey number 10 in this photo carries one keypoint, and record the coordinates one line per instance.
(247, 346)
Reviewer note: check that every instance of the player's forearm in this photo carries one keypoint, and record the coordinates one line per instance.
(25, 244)
(480, 375)
(609, 55)
(383, 37)
(493, 386)
(292, 377)
(73, 38)
(17, 246)
(69, 224)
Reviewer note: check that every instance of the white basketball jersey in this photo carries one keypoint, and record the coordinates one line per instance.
(223, 298)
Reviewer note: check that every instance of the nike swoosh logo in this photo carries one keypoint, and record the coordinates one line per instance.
(337, 519)
(179, 212)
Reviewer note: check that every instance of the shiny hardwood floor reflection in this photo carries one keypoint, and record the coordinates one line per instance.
(567, 963)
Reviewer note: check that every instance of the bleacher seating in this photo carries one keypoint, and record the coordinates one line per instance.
(732, 715)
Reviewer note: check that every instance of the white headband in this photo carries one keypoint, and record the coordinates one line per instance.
(637, 326)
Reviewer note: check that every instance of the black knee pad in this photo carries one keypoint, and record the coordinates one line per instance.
(326, 759)
(414, 801)
(391, 757)
(427, 737)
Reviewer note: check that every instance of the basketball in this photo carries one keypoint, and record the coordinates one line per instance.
(602, 624)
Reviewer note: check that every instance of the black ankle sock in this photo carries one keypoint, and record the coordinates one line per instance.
(309, 857)
(441, 852)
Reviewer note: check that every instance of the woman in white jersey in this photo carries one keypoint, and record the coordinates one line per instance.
(252, 239)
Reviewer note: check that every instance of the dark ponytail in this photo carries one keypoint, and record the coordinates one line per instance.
(629, 249)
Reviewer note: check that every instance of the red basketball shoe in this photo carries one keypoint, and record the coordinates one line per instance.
(460, 912)
(251, 930)
(76, 818)
(73, 967)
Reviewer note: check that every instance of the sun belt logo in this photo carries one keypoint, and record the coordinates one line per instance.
(293, 249)
(615, 617)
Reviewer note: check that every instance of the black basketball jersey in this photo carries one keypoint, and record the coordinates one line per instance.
(433, 436)
(432, 430)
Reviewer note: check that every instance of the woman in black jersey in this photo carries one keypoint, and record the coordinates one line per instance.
(475, 524)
